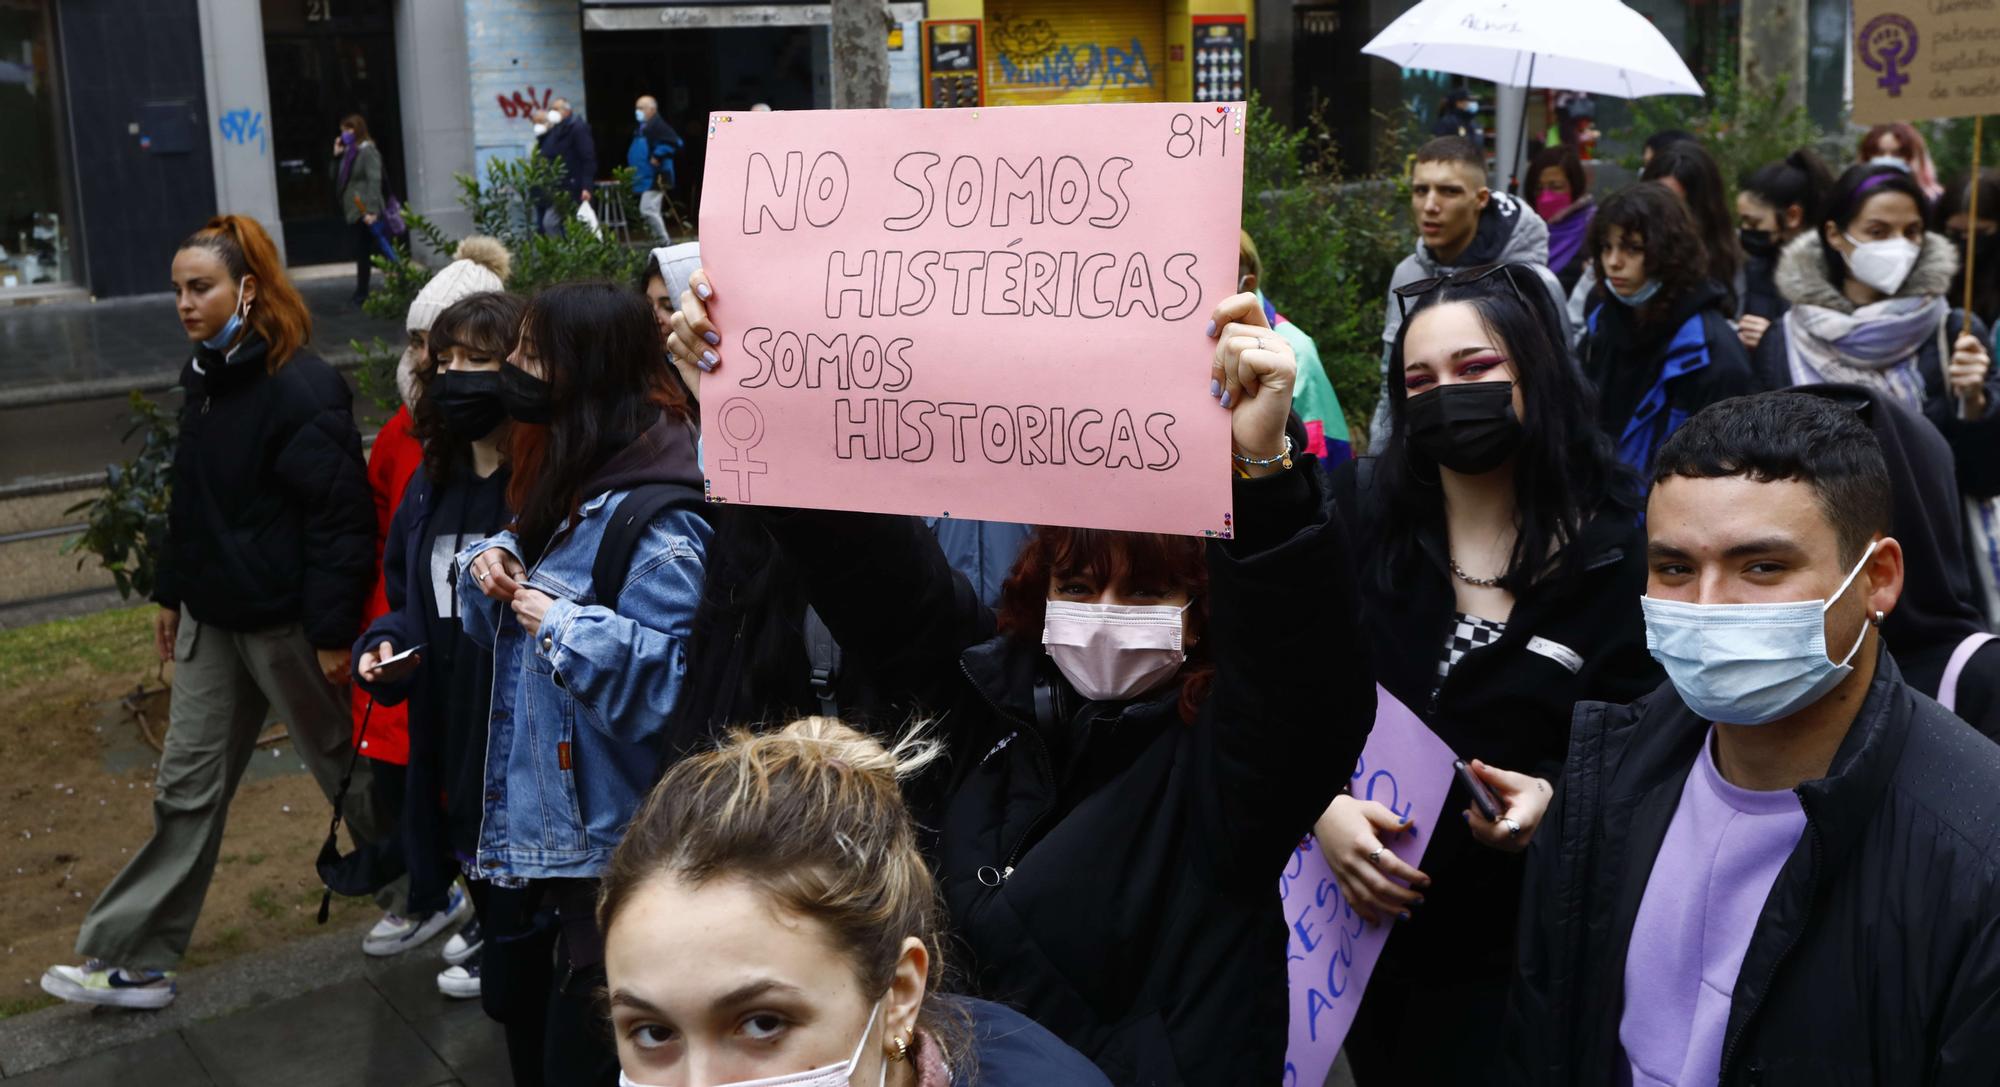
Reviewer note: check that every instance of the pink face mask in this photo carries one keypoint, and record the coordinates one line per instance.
(1114, 652)
(1548, 205)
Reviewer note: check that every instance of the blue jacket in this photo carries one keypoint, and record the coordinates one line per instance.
(1652, 377)
(574, 742)
(656, 139)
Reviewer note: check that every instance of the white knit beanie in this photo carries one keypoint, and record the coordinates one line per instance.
(676, 264)
(481, 264)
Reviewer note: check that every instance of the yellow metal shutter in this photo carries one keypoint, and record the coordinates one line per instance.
(1043, 52)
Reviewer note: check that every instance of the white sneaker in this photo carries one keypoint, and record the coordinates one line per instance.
(460, 982)
(395, 934)
(96, 982)
(464, 944)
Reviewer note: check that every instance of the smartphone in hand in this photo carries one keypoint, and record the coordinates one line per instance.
(1482, 797)
(404, 655)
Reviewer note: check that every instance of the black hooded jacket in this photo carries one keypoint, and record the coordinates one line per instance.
(1936, 612)
(272, 520)
(1876, 958)
(1110, 868)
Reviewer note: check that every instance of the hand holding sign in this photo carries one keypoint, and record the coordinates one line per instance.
(1254, 376)
(1351, 836)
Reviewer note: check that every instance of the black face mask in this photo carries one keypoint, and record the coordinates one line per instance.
(1758, 243)
(528, 399)
(470, 401)
(1469, 429)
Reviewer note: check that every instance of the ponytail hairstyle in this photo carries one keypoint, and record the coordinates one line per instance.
(813, 817)
(1801, 180)
(278, 314)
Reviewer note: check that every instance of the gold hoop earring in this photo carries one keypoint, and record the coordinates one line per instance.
(902, 1052)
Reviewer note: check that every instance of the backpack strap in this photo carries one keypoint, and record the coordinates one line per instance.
(823, 654)
(629, 520)
(1960, 657)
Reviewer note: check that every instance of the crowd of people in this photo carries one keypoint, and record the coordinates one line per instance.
(1681, 531)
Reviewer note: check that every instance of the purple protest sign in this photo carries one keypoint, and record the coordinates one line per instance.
(1331, 949)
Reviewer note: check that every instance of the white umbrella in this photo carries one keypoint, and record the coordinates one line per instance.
(1600, 46)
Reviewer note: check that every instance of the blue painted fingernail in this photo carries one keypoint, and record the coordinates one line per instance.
(1215, 386)
(713, 339)
(1211, 328)
(1226, 400)
(701, 291)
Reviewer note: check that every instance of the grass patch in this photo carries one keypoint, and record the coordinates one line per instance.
(25, 1004)
(108, 642)
(266, 903)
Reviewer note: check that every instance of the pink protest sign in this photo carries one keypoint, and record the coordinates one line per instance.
(1405, 767)
(995, 313)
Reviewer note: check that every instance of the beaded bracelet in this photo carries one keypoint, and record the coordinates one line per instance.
(1283, 458)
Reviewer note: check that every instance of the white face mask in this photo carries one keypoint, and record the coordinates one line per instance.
(1749, 664)
(1114, 652)
(1883, 265)
(831, 1075)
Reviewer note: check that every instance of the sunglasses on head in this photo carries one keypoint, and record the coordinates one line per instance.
(1462, 277)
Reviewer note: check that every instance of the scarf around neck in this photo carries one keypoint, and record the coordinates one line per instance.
(1876, 345)
(347, 164)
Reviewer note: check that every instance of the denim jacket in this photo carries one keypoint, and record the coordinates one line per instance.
(573, 745)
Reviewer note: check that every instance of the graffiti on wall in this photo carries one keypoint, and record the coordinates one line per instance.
(242, 126)
(1031, 53)
(524, 101)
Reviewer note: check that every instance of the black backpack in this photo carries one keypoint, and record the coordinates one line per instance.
(628, 522)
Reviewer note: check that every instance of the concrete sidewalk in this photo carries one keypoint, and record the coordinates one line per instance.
(63, 351)
(315, 1014)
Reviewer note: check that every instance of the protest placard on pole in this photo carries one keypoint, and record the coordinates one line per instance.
(986, 313)
(1330, 950)
(1918, 59)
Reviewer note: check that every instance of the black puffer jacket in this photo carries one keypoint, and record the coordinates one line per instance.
(1877, 957)
(272, 521)
(1113, 870)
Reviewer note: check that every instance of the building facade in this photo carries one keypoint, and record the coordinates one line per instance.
(127, 124)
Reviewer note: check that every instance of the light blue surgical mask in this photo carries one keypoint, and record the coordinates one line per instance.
(1639, 297)
(230, 327)
(1749, 664)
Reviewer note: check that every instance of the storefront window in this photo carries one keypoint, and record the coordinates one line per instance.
(34, 235)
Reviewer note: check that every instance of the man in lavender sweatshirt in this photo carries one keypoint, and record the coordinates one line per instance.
(1783, 867)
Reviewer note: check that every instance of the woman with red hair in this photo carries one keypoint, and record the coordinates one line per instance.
(268, 559)
(1899, 144)
(1139, 738)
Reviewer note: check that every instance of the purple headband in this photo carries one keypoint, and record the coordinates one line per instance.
(1887, 173)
